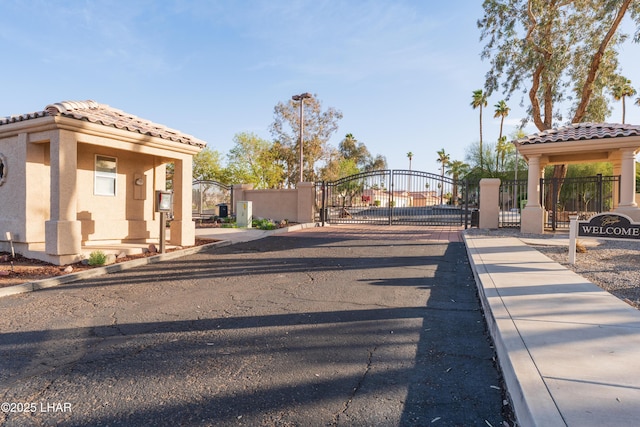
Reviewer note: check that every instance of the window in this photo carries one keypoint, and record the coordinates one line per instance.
(105, 176)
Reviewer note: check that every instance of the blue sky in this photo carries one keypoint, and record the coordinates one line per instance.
(402, 72)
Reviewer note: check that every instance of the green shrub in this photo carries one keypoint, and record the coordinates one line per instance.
(263, 224)
(97, 258)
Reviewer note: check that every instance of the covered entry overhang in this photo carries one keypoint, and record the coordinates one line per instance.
(53, 160)
(580, 143)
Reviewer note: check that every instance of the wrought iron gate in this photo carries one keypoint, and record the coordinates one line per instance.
(583, 197)
(389, 197)
(513, 196)
(211, 198)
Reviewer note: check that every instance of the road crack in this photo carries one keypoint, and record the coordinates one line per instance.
(347, 404)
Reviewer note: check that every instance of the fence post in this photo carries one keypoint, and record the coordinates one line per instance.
(201, 198)
(391, 201)
(600, 194)
(466, 203)
(323, 207)
(554, 202)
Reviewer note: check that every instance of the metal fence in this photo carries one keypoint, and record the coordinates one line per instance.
(584, 197)
(513, 197)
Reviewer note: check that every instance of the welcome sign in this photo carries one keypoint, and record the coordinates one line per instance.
(605, 226)
(610, 226)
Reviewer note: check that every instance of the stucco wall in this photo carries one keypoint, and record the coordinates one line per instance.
(24, 196)
(38, 192)
(130, 213)
(296, 205)
(12, 203)
(274, 204)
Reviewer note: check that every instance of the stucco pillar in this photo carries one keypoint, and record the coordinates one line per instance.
(239, 193)
(63, 231)
(628, 205)
(306, 202)
(532, 218)
(489, 203)
(183, 229)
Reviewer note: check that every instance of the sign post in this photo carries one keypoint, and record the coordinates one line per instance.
(164, 201)
(573, 231)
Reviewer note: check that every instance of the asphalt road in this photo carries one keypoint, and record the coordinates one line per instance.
(312, 328)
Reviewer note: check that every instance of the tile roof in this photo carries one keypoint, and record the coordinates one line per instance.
(103, 114)
(581, 132)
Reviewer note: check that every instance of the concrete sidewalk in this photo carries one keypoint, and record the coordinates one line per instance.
(238, 235)
(569, 351)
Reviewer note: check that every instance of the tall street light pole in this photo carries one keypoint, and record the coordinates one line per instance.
(301, 99)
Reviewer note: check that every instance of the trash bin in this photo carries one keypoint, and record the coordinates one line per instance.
(223, 210)
(475, 218)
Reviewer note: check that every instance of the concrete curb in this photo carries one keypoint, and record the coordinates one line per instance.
(532, 402)
(99, 271)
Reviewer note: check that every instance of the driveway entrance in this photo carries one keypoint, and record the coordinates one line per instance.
(323, 326)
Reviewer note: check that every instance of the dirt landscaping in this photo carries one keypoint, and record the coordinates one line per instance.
(14, 271)
(21, 270)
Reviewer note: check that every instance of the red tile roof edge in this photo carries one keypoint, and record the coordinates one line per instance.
(581, 132)
(105, 115)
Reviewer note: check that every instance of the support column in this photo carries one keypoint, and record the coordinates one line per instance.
(183, 229)
(532, 217)
(617, 171)
(63, 231)
(628, 205)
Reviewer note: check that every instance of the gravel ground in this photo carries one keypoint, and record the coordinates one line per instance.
(613, 265)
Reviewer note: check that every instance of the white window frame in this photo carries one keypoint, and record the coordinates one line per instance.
(102, 175)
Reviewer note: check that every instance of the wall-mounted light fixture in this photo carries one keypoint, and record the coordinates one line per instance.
(3, 169)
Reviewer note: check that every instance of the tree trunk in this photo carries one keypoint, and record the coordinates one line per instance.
(587, 89)
(560, 171)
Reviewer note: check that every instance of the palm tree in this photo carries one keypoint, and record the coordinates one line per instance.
(443, 159)
(410, 156)
(621, 91)
(502, 111)
(457, 169)
(501, 150)
(479, 101)
(638, 101)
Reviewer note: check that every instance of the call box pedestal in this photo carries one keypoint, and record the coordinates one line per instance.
(244, 215)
